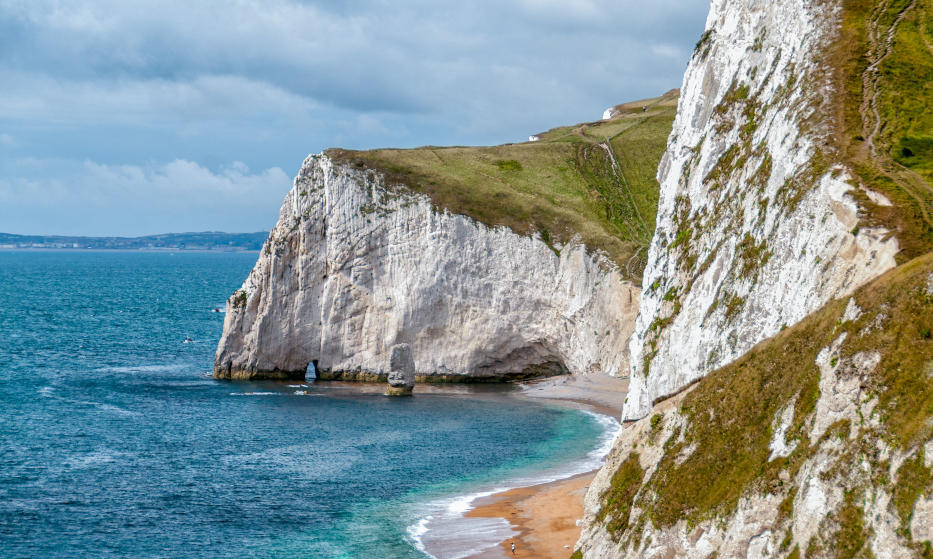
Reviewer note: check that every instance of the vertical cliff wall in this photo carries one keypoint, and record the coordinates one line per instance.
(353, 268)
(781, 402)
(757, 223)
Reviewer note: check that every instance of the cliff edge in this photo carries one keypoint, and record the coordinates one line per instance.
(492, 263)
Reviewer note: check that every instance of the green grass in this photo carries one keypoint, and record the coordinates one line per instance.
(913, 480)
(617, 500)
(731, 411)
(904, 169)
(852, 534)
(565, 184)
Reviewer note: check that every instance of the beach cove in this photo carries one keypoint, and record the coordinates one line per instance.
(118, 441)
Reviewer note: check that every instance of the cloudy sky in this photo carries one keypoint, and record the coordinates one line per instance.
(132, 118)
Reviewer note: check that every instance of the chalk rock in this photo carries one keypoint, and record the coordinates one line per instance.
(401, 371)
(354, 267)
(756, 227)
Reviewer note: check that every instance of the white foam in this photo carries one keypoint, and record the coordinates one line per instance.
(446, 533)
(417, 530)
(167, 367)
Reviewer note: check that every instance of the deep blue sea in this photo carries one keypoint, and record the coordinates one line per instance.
(115, 440)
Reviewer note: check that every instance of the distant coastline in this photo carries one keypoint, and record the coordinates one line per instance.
(203, 241)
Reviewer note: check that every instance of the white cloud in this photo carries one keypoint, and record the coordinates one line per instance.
(197, 83)
(668, 51)
(580, 9)
(93, 198)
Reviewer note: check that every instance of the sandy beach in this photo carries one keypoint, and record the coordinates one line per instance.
(545, 516)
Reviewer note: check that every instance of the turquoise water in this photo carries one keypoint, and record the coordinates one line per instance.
(115, 441)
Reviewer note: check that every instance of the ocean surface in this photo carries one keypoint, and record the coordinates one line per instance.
(116, 442)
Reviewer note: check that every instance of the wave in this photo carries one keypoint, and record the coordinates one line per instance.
(50, 392)
(293, 393)
(160, 368)
(445, 532)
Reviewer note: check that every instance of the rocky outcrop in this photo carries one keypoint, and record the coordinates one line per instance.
(757, 226)
(353, 268)
(401, 371)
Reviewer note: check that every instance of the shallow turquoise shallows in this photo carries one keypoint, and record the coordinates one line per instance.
(115, 440)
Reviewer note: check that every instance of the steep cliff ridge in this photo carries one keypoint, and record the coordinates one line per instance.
(786, 194)
(759, 220)
(492, 263)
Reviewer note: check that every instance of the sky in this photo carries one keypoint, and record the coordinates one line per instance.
(135, 118)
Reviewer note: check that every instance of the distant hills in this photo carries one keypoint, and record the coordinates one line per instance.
(208, 240)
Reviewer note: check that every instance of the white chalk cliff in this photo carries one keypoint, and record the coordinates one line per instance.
(353, 268)
(756, 228)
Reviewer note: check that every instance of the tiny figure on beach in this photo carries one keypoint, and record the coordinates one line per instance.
(513, 548)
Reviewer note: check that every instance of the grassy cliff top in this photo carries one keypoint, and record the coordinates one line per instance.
(594, 180)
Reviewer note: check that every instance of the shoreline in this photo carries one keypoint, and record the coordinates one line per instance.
(538, 513)
(542, 518)
(545, 517)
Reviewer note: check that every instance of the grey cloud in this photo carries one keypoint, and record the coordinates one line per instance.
(143, 84)
(373, 58)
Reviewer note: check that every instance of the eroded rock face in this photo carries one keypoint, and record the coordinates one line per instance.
(756, 227)
(352, 269)
(756, 527)
(401, 371)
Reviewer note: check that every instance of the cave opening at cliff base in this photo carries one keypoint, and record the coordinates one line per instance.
(311, 370)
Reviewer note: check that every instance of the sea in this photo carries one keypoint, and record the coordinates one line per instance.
(116, 442)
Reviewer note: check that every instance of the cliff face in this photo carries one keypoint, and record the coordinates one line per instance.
(781, 402)
(353, 268)
(757, 227)
(816, 443)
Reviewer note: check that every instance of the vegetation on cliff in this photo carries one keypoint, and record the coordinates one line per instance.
(595, 180)
(723, 452)
(843, 399)
(884, 83)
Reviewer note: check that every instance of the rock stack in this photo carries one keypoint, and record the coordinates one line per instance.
(401, 371)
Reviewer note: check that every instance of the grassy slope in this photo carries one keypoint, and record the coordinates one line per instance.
(731, 413)
(563, 185)
(894, 155)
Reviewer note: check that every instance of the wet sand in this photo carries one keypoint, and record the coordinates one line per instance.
(545, 517)
(600, 393)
